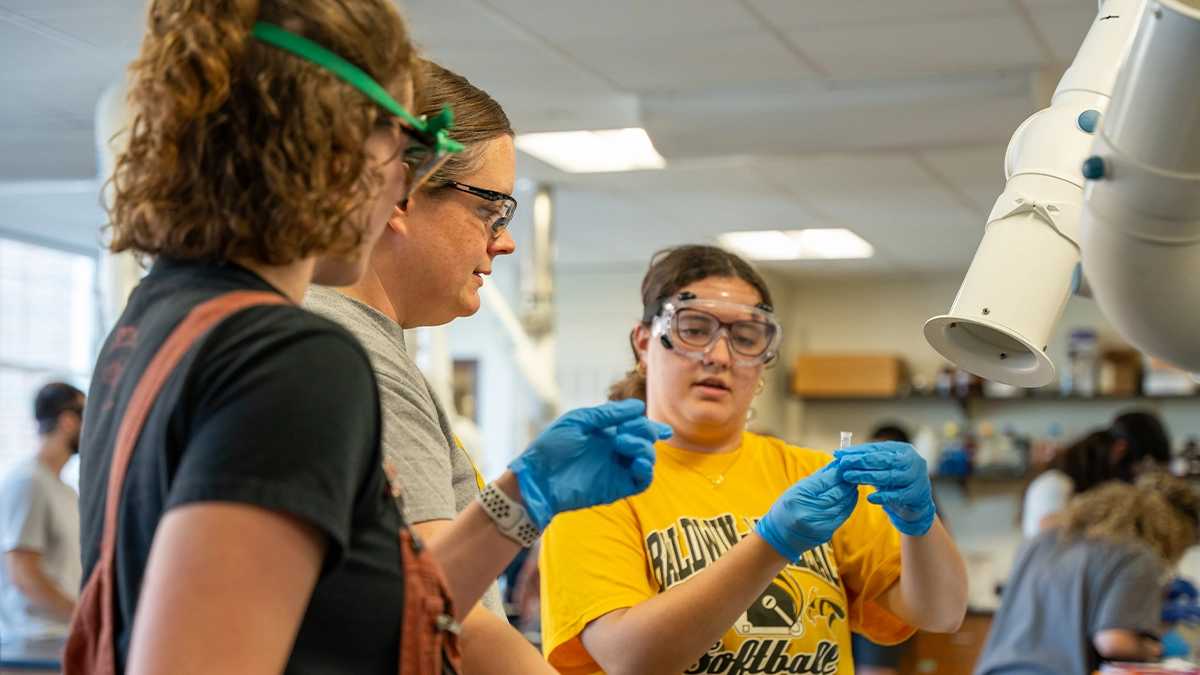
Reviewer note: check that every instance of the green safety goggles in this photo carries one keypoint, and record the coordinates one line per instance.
(430, 145)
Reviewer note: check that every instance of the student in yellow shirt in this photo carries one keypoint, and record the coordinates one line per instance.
(784, 552)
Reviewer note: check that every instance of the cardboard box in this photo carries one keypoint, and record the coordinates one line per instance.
(1120, 372)
(849, 375)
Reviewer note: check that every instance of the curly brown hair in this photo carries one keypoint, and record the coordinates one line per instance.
(239, 149)
(1158, 510)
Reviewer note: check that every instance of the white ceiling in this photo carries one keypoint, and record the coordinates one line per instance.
(889, 117)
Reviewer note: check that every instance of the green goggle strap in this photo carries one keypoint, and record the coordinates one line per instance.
(435, 128)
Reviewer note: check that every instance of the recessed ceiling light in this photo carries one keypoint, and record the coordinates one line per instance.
(593, 151)
(813, 244)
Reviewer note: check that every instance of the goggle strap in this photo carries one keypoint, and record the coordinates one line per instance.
(355, 77)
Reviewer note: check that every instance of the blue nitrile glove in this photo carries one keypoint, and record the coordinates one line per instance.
(900, 479)
(1181, 588)
(1174, 645)
(806, 515)
(588, 457)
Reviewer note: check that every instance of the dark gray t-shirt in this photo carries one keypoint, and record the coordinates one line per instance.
(438, 477)
(1059, 597)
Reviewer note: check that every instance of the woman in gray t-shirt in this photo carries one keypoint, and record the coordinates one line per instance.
(1090, 589)
(426, 270)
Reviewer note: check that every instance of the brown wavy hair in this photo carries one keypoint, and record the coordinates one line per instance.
(478, 118)
(1159, 510)
(239, 149)
(670, 270)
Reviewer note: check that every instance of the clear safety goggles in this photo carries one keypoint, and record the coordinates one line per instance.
(689, 325)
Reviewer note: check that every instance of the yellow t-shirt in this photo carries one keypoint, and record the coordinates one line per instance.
(611, 557)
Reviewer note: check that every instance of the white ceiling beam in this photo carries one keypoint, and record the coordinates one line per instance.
(26, 188)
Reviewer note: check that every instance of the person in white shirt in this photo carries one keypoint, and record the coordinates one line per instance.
(40, 570)
(1135, 444)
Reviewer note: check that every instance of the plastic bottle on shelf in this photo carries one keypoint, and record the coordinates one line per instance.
(986, 456)
(926, 445)
(1083, 351)
(955, 461)
(1022, 450)
(945, 382)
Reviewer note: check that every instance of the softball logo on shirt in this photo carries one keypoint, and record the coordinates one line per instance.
(804, 597)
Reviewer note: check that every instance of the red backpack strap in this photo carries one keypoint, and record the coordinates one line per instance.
(90, 648)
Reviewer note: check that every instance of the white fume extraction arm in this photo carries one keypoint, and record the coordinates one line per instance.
(1126, 114)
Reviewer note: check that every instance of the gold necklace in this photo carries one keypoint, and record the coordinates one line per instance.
(720, 477)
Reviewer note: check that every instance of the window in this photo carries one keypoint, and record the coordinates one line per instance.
(48, 325)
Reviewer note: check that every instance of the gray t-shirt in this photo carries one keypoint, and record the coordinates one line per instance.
(38, 513)
(1059, 597)
(438, 477)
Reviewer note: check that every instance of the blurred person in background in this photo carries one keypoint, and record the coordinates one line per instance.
(40, 572)
(1090, 587)
(1135, 444)
(784, 550)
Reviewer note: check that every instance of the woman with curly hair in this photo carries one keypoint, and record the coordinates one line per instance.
(236, 514)
(1091, 588)
(1135, 444)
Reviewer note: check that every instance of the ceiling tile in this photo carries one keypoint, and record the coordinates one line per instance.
(903, 213)
(67, 154)
(976, 172)
(1065, 30)
(698, 180)
(684, 62)
(453, 23)
(808, 270)
(625, 20)
(932, 251)
(873, 194)
(936, 46)
(115, 29)
(700, 215)
(21, 48)
(791, 14)
(75, 96)
(21, 5)
(588, 222)
(848, 175)
(1040, 5)
(919, 116)
(515, 68)
(14, 109)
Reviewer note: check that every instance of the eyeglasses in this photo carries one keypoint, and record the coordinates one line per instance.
(688, 326)
(430, 143)
(495, 220)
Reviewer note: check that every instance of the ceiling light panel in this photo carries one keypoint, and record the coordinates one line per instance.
(811, 244)
(593, 151)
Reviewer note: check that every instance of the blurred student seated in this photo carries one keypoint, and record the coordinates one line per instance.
(1089, 589)
(40, 570)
